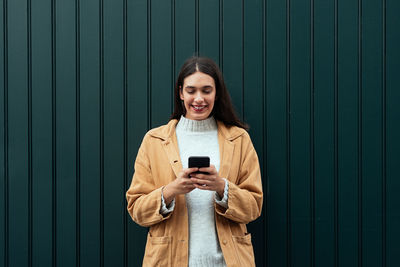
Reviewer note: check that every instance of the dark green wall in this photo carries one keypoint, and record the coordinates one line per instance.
(81, 81)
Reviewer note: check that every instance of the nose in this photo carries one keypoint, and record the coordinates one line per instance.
(198, 98)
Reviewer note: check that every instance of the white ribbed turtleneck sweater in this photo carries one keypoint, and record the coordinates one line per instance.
(200, 138)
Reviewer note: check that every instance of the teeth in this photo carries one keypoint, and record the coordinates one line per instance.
(198, 108)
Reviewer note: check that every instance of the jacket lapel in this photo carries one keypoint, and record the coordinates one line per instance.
(226, 148)
(170, 146)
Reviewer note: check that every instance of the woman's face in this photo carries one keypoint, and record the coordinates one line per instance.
(198, 95)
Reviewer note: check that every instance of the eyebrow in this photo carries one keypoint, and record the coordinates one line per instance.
(194, 87)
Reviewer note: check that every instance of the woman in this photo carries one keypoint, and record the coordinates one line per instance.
(197, 219)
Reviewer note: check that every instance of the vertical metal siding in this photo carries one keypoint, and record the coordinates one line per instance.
(3, 135)
(82, 82)
(41, 133)
(138, 85)
(53, 134)
(392, 109)
(18, 138)
(253, 108)
(101, 129)
(77, 133)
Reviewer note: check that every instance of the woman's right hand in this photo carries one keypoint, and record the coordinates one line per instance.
(181, 185)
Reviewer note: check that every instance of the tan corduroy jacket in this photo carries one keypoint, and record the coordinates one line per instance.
(158, 163)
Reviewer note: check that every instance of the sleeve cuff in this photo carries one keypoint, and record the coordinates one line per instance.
(224, 201)
(164, 209)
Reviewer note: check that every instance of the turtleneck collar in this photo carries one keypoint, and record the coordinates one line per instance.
(189, 125)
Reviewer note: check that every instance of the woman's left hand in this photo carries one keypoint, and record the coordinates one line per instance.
(209, 180)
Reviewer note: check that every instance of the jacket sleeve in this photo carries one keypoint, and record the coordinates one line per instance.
(143, 197)
(245, 198)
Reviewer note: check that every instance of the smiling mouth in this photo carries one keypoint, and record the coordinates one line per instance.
(199, 108)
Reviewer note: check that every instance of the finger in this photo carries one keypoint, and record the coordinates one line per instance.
(203, 182)
(204, 187)
(210, 170)
(199, 176)
(189, 187)
(210, 177)
(195, 180)
(184, 188)
(189, 181)
(188, 171)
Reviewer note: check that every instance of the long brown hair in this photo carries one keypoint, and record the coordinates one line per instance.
(223, 109)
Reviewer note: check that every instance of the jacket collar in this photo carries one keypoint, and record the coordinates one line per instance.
(230, 133)
(168, 131)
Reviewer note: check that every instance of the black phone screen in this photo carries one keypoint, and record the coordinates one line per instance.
(199, 162)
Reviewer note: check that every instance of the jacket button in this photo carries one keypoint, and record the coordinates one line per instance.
(224, 242)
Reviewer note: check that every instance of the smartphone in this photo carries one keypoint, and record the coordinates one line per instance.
(199, 162)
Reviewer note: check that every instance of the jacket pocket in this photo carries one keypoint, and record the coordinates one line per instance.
(244, 250)
(158, 251)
